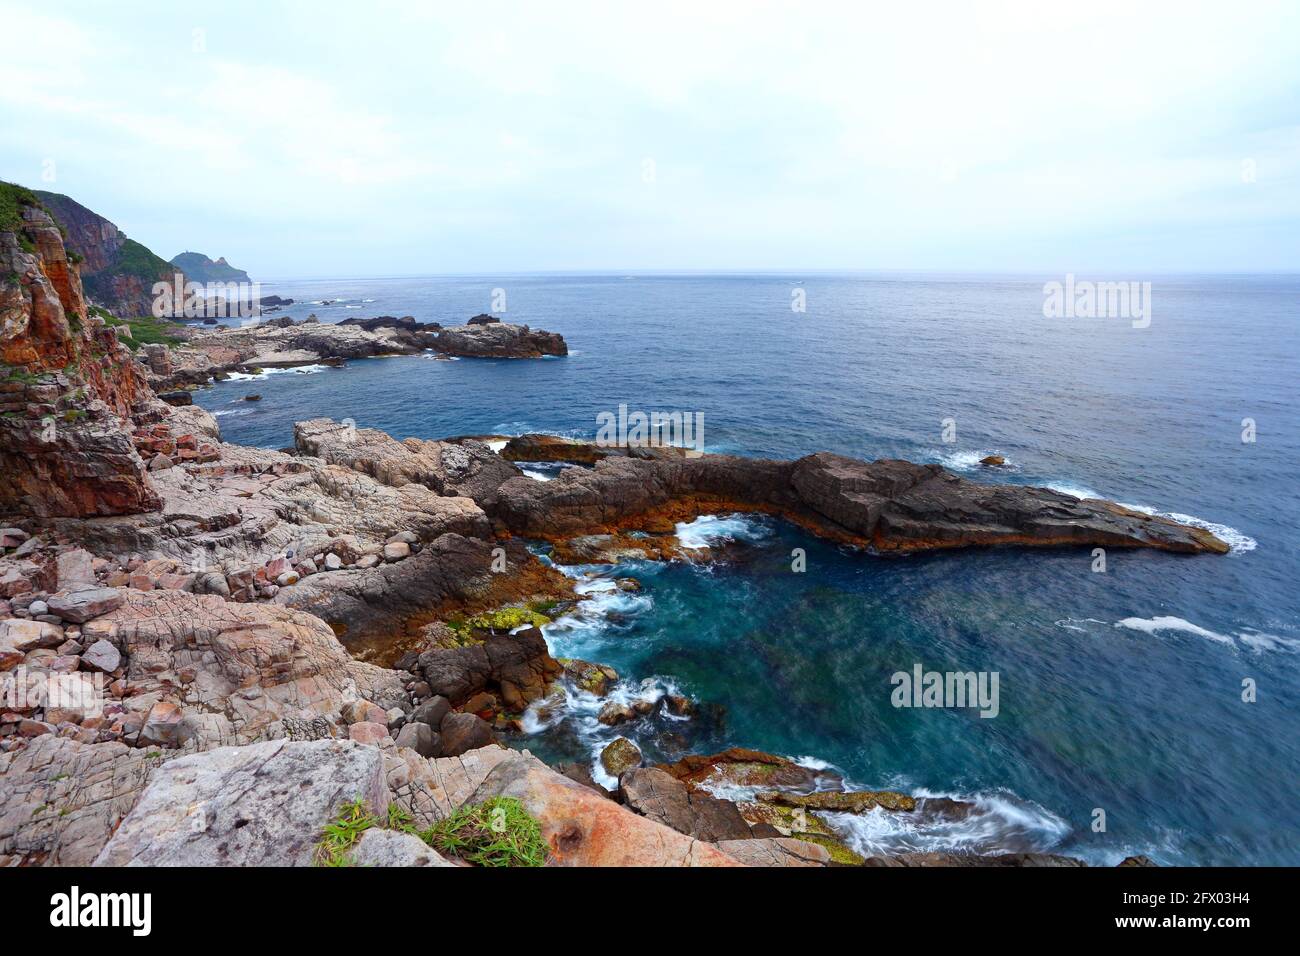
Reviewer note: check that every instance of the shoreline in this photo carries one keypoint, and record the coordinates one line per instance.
(207, 595)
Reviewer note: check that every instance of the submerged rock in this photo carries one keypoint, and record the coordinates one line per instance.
(842, 801)
(619, 755)
(595, 679)
(747, 768)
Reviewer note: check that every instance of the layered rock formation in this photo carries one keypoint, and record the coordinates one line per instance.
(885, 505)
(118, 273)
(67, 388)
(467, 467)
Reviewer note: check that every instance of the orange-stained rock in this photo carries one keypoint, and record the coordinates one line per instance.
(582, 828)
(65, 400)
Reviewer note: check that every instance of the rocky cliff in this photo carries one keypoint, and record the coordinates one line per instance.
(117, 272)
(67, 387)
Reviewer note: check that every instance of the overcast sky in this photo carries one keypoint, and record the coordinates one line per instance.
(381, 140)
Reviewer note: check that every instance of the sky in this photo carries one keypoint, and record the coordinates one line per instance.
(377, 138)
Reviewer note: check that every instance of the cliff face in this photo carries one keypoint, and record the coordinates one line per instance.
(200, 268)
(67, 387)
(117, 272)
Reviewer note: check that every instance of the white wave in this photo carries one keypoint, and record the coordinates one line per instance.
(1254, 639)
(219, 413)
(970, 461)
(546, 470)
(1072, 489)
(580, 711)
(1154, 625)
(1001, 822)
(297, 370)
(244, 377)
(1237, 541)
(1259, 642)
(708, 530)
(813, 763)
(527, 428)
(498, 444)
(1073, 623)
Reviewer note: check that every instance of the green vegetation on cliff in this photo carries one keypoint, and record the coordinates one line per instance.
(12, 198)
(145, 330)
(137, 260)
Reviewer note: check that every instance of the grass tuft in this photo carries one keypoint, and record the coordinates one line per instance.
(341, 836)
(497, 832)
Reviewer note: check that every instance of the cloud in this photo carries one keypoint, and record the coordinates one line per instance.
(516, 136)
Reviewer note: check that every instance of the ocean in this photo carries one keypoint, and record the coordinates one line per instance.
(1122, 726)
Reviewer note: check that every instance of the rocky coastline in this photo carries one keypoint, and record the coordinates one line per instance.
(358, 619)
(208, 353)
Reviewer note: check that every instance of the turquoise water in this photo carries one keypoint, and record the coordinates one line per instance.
(1119, 691)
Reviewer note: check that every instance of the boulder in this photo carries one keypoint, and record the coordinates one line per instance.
(101, 656)
(431, 712)
(368, 732)
(396, 551)
(742, 767)
(379, 847)
(86, 604)
(615, 712)
(24, 635)
(593, 678)
(619, 755)
(662, 798)
(518, 664)
(264, 804)
(462, 732)
(357, 711)
(420, 738)
(162, 725)
(76, 569)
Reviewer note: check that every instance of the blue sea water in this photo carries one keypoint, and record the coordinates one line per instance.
(1120, 691)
